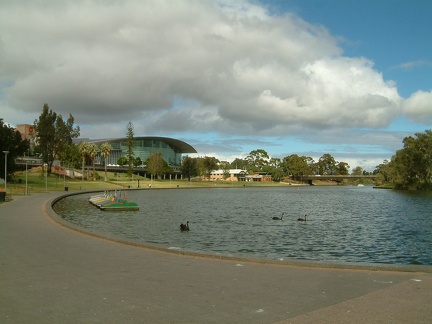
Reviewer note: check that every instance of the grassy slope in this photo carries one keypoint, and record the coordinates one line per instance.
(37, 183)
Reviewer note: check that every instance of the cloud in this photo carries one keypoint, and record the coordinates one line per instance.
(240, 69)
(418, 107)
(415, 64)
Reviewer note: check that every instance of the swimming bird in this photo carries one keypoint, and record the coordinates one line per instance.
(278, 218)
(302, 219)
(184, 227)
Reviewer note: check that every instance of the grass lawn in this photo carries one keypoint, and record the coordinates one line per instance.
(37, 182)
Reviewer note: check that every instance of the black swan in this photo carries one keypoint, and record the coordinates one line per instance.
(184, 227)
(278, 218)
(302, 219)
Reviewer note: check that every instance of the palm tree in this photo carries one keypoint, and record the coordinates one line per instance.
(92, 151)
(106, 151)
(83, 148)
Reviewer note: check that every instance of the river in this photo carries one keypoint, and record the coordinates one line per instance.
(344, 223)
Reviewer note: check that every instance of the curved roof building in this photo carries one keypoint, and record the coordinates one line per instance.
(171, 149)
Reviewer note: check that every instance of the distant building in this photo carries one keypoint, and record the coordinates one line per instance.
(259, 176)
(239, 175)
(27, 131)
(228, 175)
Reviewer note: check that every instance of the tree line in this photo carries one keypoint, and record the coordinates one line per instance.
(410, 168)
(259, 161)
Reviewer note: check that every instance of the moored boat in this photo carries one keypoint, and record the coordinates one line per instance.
(113, 201)
(122, 206)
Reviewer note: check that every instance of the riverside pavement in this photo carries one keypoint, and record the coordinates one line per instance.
(50, 273)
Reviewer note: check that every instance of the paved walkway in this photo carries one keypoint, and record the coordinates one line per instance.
(52, 274)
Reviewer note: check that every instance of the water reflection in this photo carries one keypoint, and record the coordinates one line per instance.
(346, 224)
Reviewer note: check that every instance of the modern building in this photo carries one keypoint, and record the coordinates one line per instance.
(170, 149)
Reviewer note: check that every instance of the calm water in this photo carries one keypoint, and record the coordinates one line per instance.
(345, 224)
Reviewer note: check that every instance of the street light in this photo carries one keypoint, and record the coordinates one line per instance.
(46, 177)
(5, 153)
(64, 177)
(26, 191)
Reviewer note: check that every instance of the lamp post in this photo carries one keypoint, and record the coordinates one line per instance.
(5, 153)
(26, 191)
(64, 177)
(46, 177)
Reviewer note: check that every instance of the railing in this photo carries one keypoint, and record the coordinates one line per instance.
(332, 177)
(30, 161)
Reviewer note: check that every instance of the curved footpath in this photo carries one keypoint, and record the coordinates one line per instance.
(52, 274)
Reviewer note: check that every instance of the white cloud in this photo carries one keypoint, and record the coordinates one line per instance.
(415, 64)
(418, 107)
(245, 71)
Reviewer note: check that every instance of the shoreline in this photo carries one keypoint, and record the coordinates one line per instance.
(291, 262)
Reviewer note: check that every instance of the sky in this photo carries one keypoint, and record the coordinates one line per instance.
(308, 77)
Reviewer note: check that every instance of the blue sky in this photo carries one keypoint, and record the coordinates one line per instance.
(394, 34)
(349, 78)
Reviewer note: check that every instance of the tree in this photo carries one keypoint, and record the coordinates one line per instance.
(276, 172)
(420, 150)
(137, 162)
(413, 163)
(200, 166)
(53, 135)
(411, 167)
(189, 167)
(122, 160)
(384, 172)
(105, 149)
(257, 159)
(83, 148)
(225, 166)
(297, 165)
(275, 162)
(92, 152)
(238, 164)
(11, 141)
(70, 156)
(210, 164)
(326, 164)
(156, 165)
(130, 152)
(274, 167)
(342, 168)
(357, 171)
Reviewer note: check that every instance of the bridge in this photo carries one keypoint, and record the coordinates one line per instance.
(331, 177)
(24, 163)
(29, 161)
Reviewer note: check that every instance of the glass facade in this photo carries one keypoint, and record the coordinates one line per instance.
(144, 148)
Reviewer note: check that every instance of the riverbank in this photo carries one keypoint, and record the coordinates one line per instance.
(52, 274)
(35, 181)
